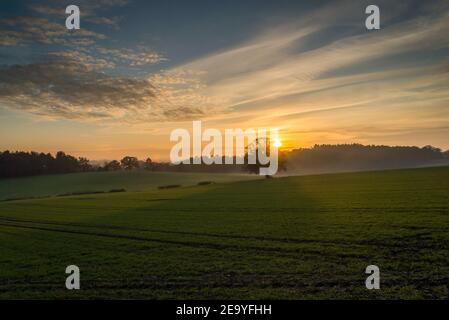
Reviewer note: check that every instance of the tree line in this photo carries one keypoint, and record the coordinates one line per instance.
(20, 164)
(358, 157)
(319, 158)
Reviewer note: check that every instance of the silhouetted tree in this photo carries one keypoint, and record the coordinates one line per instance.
(148, 164)
(84, 164)
(129, 163)
(113, 165)
(19, 164)
(261, 146)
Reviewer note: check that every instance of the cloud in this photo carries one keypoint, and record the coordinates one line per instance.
(297, 72)
(89, 11)
(75, 86)
(281, 63)
(48, 10)
(10, 38)
(86, 84)
(113, 21)
(24, 30)
(134, 57)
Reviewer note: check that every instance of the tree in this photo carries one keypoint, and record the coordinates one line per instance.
(148, 164)
(432, 149)
(84, 164)
(65, 163)
(264, 146)
(129, 163)
(20, 164)
(113, 165)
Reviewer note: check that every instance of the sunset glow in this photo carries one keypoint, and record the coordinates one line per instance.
(121, 84)
(277, 143)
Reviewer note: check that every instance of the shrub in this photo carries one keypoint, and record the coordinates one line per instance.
(170, 186)
(204, 183)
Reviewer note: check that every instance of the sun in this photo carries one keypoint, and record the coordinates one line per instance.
(277, 143)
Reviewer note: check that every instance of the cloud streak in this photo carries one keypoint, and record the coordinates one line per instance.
(278, 65)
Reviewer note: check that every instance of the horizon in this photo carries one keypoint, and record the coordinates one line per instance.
(136, 70)
(96, 162)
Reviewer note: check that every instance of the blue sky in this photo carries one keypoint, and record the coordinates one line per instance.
(137, 69)
(184, 29)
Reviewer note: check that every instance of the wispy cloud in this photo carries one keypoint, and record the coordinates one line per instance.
(280, 65)
(135, 57)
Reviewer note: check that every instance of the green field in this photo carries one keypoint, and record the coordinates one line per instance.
(52, 185)
(307, 237)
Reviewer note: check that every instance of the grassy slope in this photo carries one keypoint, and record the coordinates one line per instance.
(104, 181)
(295, 237)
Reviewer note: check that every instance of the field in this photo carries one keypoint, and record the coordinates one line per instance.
(52, 185)
(307, 237)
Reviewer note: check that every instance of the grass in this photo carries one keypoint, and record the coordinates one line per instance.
(51, 185)
(307, 237)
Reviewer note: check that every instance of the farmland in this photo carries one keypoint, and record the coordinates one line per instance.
(308, 237)
(91, 182)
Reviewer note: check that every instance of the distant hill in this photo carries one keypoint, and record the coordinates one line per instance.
(357, 157)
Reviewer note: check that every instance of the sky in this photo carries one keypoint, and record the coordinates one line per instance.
(136, 70)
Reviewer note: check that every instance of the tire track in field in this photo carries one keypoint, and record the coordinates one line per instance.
(119, 236)
(146, 239)
(188, 233)
(203, 234)
(371, 242)
(286, 252)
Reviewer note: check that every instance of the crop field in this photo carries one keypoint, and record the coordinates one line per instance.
(308, 237)
(90, 182)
